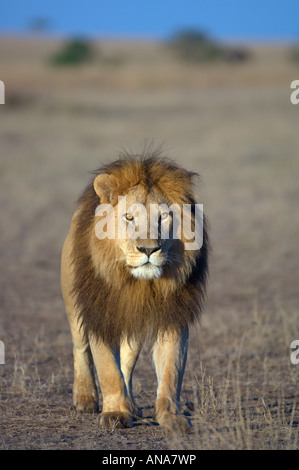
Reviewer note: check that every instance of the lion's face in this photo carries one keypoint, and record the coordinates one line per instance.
(143, 232)
(144, 222)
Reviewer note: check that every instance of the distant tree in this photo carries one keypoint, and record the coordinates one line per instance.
(195, 46)
(74, 52)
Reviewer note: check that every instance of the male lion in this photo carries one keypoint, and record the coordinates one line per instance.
(121, 292)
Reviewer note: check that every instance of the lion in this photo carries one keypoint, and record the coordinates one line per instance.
(122, 292)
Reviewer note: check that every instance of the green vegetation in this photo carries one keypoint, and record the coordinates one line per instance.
(74, 52)
(195, 46)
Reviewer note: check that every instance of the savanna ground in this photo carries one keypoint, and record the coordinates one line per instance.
(236, 126)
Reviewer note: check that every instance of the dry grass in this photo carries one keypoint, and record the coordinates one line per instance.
(237, 127)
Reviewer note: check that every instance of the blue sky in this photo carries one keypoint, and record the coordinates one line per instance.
(223, 19)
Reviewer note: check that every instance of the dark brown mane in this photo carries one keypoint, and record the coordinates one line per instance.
(116, 306)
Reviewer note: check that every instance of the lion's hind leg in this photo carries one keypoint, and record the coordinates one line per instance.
(85, 397)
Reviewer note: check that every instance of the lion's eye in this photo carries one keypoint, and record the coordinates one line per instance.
(129, 217)
(164, 215)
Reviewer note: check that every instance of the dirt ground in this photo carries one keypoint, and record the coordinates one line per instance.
(236, 126)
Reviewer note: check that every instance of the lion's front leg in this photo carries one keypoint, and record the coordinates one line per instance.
(170, 354)
(129, 352)
(116, 405)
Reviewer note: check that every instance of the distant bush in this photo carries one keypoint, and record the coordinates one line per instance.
(196, 46)
(74, 52)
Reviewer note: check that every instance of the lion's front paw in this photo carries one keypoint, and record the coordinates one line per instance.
(175, 423)
(85, 403)
(115, 419)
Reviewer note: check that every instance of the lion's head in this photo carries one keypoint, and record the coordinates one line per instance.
(132, 268)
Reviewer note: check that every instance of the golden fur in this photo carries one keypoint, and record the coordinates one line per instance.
(107, 302)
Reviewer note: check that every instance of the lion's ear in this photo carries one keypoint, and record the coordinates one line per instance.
(103, 186)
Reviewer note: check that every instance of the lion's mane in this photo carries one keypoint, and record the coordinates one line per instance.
(117, 305)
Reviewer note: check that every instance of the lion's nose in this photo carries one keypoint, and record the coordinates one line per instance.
(148, 251)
